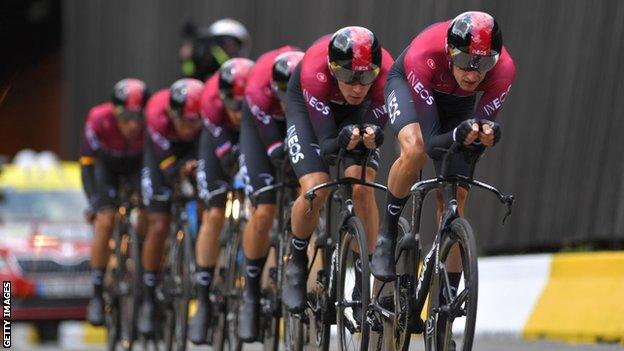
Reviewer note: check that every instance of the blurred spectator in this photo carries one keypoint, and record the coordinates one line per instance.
(205, 48)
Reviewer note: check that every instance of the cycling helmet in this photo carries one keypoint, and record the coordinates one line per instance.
(283, 67)
(129, 95)
(232, 80)
(354, 55)
(185, 98)
(474, 41)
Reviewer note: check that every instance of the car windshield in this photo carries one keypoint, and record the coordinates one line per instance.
(41, 206)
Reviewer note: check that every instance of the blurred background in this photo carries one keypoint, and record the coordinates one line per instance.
(562, 149)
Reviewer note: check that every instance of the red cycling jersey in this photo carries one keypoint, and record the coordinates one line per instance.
(427, 69)
(162, 132)
(102, 134)
(159, 125)
(320, 89)
(263, 102)
(222, 132)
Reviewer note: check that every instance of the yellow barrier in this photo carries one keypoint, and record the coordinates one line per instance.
(583, 300)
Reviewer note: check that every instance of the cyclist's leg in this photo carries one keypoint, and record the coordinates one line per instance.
(134, 179)
(257, 172)
(103, 226)
(403, 173)
(157, 197)
(364, 197)
(210, 177)
(311, 171)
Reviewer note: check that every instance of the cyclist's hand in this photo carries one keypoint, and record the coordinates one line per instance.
(188, 168)
(349, 137)
(466, 132)
(373, 136)
(490, 133)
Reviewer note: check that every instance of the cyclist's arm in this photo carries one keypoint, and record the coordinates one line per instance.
(492, 100)
(166, 160)
(223, 144)
(425, 109)
(270, 133)
(322, 119)
(90, 145)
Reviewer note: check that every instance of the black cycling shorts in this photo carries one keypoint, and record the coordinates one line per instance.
(303, 146)
(212, 182)
(452, 110)
(110, 174)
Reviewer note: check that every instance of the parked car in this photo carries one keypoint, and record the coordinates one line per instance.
(45, 241)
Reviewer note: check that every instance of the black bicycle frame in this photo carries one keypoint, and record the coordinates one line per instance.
(419, 192)
(345, 186)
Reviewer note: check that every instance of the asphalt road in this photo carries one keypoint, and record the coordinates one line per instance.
(20, 336)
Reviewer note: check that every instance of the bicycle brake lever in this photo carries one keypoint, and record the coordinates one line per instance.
(509, 201)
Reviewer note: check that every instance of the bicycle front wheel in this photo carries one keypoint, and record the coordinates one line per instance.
(449, 309)
(353, 290)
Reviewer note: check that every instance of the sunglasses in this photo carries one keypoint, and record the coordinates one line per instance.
(468, 62)
(354, 77)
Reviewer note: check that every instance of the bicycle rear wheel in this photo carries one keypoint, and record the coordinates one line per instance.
(454, 309)
(353, 328)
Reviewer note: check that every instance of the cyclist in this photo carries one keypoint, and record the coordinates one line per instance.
(111, 151)
(206, 48)
(337, 87)
(173, 128)
(431, 96)
(221, 102)
(263, 129)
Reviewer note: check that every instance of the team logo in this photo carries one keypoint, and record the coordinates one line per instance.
(431, 63)
(321, 77)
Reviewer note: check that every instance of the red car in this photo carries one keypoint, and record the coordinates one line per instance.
(45, 244)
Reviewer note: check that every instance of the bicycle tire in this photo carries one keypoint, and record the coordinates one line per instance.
(395, 332)
(173, 289)
(113, 318)
(270, 305)
(439, 337)
(225, 333)
(353, 230)
(183, 300)
(137, 274)
(235, 284)
(218, 297)
(130, 286)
